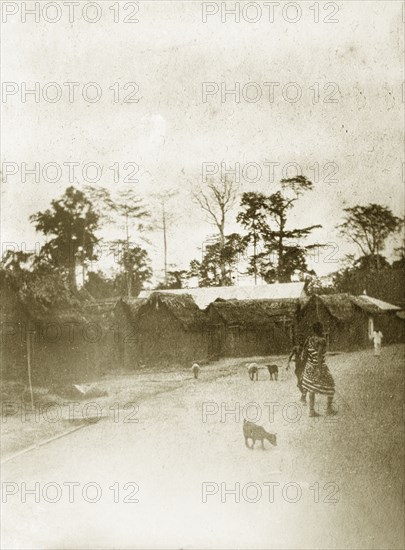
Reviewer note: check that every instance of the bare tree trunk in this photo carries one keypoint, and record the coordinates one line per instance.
(164, 242)
(254, 257)
(72, 275)
(222, 241)
(72, 263)
(280, 267)
(219, 200)
(128, 273)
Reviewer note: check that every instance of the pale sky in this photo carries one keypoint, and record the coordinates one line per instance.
(171, 132)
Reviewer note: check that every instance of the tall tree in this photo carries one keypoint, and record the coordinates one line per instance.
(136, 265)
(129, 206)
(369, 227)
(71, 223)
(282, 240)
(165, 218)
(102, 202)
(266, 220)
(217, 201)
(252, 217)
(125, 210)
(37, 282)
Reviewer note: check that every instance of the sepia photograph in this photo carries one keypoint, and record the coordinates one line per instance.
(202, 275)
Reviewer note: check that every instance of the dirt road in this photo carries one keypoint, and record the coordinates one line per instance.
(330, 483)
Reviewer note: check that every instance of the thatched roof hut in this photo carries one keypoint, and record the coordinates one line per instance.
(246, 313)
(126, 312)
(373, 305)
(165, 328)
(349, 320)
(339, 306)
(251, 327)
(254, 312)
(342, 306)
(203, 296)
(41, 298)
(181, 306)
(46, 322)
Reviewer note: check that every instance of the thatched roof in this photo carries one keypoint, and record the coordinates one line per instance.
(339, 306)
(279, 308)
(101, 305)
(44, 297)
(41, 314)
(373, 305)
(240, 312)
(132, 306)
(254, 312)
(101, 312)
(342, 306)
(182, 307)
(203, 296)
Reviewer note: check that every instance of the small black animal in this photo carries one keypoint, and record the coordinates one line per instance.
(253, 371)
(273, 371)
(254, 432)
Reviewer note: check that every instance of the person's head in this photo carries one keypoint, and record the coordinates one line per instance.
(317, 328)
(300, 340)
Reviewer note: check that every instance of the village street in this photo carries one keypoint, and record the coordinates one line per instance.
(332, 482)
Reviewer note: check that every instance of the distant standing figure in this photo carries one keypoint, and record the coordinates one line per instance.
(317, 378)
(377, 339)
(196, 370)
(296, 355)
(253, 371)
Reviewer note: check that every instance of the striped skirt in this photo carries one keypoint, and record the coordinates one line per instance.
(318, 379)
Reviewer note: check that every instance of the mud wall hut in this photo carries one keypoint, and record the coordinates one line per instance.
(382, 316)
(104, 332)
(44, 326)
(169, 329)
(13, 320)
(349, 321)
(204, 296)
(127, 332)
(245, 328)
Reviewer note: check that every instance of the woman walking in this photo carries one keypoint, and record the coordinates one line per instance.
(317, 378)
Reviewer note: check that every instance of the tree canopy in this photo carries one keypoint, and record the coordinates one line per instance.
(71, 223)
(369, 227)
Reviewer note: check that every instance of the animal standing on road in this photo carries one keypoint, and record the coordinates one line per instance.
(254, 432)
(253, 371)
(196, 370)
(273, 371)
